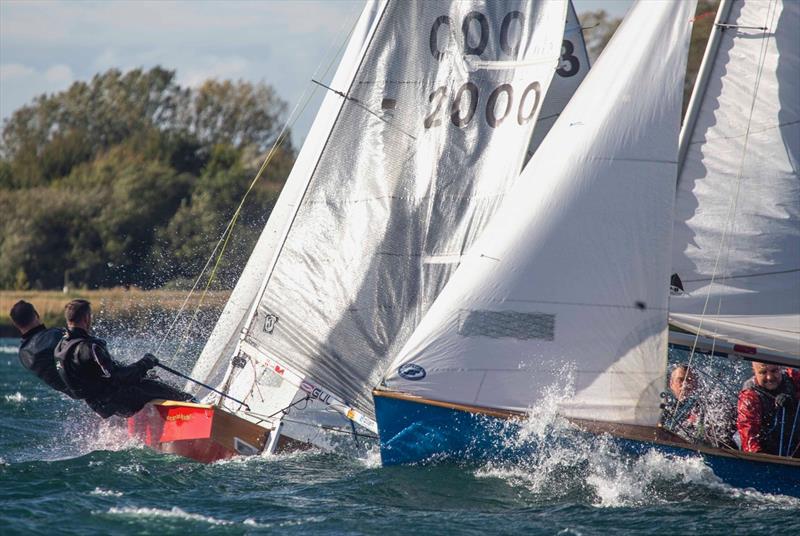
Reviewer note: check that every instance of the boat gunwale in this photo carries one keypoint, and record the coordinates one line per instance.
(635, 432)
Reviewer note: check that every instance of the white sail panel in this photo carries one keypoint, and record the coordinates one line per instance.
(737, 222)
(216, 355)
(569, 277)
(432, 133)
(572, 69)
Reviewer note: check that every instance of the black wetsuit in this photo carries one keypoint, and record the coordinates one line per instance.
(108, 387)
(36, 354)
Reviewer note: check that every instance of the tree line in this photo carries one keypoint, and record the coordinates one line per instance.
(130, 179)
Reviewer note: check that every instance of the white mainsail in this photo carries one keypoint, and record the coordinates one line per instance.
(736, 241)
(425, 131)
(572, 269)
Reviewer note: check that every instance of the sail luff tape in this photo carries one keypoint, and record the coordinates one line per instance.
(303, 383)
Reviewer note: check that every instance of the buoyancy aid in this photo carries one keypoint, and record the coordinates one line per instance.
(36, 354)
(83, 370)
(772, 415)
(64, 354)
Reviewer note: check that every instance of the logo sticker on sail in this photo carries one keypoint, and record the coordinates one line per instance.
(411, 371)
(316, 393)
(269, 323)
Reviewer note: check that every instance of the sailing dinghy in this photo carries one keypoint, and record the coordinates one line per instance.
(569, 282)
(424, 129)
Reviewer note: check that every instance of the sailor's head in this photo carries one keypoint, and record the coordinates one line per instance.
(24, 316)
(78, 314)
(682, 381)
(767, 376)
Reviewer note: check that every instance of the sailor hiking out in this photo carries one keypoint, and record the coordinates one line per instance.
(91, 374)
(37, 344)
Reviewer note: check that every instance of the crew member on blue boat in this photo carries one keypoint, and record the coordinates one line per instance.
(689, 414)
(37, 344)
(89, 372)
(768, 419)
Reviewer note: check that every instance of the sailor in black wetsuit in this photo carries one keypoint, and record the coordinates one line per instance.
(90, 373)
(37, 344)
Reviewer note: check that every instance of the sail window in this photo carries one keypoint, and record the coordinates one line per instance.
(503, 324)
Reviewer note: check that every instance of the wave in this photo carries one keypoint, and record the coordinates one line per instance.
(180, 514)
(19, 398)
(106, 492)
(173, 512)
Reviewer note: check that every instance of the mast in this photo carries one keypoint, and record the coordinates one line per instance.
(700, 85)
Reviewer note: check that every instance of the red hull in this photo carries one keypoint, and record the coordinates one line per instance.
(198, 431)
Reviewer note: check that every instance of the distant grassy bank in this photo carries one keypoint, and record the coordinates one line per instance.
(112, 307)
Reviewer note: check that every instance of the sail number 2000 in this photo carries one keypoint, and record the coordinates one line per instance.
(464, 103)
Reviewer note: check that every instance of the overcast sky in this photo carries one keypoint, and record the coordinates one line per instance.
(46, 45)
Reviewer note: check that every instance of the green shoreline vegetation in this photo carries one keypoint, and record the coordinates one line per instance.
(130, 180)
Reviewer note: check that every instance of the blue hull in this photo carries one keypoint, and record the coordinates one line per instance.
(413, 432)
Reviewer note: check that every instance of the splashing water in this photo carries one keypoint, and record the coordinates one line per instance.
(18, 398)
(106, 492)
(569, 464)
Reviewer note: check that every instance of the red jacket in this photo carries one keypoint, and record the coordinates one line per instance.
(753, 410)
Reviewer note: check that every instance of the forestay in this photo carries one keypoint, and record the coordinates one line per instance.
(737, 220)
(568, 283)
(431, 132)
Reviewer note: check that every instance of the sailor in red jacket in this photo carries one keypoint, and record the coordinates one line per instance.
(768, 419)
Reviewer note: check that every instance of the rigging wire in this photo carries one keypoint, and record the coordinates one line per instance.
(731, 214)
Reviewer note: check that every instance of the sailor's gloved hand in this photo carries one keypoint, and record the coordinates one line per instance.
(783, 400)
(148, 361)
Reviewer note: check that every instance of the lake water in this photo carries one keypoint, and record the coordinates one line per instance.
(63, 471)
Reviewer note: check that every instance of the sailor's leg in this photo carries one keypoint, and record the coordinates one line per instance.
(152, 389)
